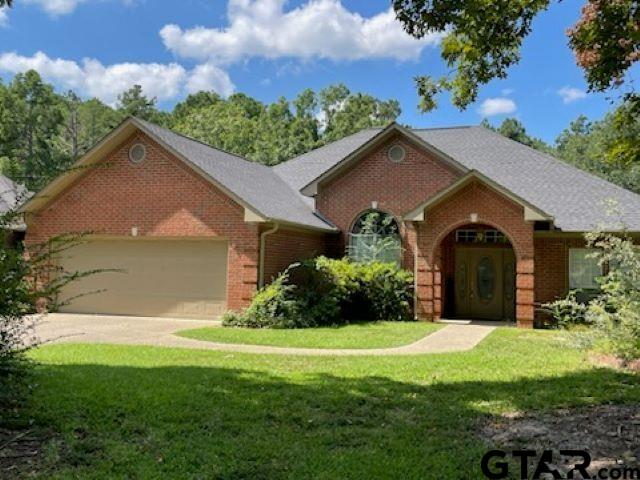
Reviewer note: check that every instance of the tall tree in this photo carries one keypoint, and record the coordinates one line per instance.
(515, 130)
(483, 38)
(135, 103)
(275, 132)
(344, 113)
(594, 146)
(31, 116)
(85, 123)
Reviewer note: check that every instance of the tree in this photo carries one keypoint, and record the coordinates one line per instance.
(272, 133)
(6, 3)
(483, 38)
(595, 147)
(30, 116)
(344, 113)
(85, 123)
(515, 130)
(133, 102)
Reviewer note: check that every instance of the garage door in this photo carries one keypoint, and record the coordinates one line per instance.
(168, 278)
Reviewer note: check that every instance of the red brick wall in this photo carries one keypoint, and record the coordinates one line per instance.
(492, 209)
(397, 187)
(162, 197)
(285, 247)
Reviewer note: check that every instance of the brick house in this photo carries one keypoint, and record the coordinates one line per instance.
(490, 227)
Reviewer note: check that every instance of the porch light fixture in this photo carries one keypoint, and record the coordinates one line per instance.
(474, 218)
(374, 205)
(134, 231)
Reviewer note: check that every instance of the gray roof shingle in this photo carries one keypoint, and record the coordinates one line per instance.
(257, 185)
(573, 197)
(11, 194)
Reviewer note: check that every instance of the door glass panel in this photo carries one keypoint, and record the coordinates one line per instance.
(485, 279)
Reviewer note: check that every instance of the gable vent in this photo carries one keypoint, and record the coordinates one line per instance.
(396, 153)
(137, 153)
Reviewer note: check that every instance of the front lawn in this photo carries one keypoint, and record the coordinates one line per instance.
(359, 335)
(150, 412)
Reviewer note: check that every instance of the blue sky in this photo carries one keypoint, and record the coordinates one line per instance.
(272, 48)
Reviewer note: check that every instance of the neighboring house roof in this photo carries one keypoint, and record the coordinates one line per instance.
(11, 194)
(574, 198)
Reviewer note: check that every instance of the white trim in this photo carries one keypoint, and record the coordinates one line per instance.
(251, 216)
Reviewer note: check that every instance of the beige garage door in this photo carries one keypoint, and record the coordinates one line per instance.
(168, 278)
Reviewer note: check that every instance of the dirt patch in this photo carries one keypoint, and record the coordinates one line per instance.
(615, 362)
(610, 433)
(21, 453)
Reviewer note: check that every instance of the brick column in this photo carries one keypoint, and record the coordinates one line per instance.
(525, 284)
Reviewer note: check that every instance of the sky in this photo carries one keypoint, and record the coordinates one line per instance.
(273, 48)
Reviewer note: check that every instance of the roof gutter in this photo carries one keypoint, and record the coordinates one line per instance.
(263, 243)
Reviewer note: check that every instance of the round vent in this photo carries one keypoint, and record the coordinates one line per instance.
(137, 153)
(396, 153)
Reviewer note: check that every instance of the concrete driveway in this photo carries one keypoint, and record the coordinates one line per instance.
(73, 328)
(77, 328)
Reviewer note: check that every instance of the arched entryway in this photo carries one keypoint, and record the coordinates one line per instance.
(478, 271)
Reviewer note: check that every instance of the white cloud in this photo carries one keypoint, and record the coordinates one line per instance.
(571, 94)
(4, 18)
(92, 78)
(57, 7)
(209, 77)
(507, 91)
(317, 29)
(497, 106)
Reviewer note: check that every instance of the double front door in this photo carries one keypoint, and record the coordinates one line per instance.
(485, 283)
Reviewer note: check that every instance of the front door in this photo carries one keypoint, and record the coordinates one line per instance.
(485, 283)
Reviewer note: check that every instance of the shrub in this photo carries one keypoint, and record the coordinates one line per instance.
(613, 315)
(273, 306)
(324, 291)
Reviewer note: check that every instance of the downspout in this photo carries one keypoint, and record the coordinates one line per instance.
(263, 243)
(415, 273)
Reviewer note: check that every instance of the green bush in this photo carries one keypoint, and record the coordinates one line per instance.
(273, 306)
(325, 291)
(613, 315)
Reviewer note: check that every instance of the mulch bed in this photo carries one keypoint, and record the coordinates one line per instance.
(610, 433)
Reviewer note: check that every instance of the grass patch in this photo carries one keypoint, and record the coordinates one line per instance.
(150, 412)
(359, 335)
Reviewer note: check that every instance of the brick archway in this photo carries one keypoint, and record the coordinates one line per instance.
(485, 206)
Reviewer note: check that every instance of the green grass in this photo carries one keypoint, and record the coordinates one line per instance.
(359, 335)
(148, 412)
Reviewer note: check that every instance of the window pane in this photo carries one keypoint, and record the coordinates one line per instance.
(379, 248)
(583, 270)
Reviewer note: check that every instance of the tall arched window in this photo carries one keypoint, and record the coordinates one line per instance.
(375, 237)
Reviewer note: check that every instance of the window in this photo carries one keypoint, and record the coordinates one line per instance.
(480, 236)
(583, 269)
(375, 237)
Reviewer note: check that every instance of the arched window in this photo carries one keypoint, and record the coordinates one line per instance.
(375, 237)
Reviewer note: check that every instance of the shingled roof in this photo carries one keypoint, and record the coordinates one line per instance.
(257, 185)
(574, 198)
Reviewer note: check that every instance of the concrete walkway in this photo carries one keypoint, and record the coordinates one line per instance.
(68, 328)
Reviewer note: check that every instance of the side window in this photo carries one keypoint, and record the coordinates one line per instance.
(583, 269)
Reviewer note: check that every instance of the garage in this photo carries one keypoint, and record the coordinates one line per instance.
(166, 278)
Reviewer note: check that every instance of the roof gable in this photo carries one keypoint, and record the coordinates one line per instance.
(379, 138)
(531, 212)
(265, 195)
(573, 197)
